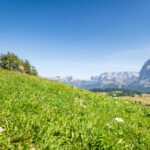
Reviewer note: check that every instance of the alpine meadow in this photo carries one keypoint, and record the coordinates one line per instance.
(74, 75)
(40, 114)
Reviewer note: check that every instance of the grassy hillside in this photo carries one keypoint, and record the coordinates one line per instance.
(38, 114)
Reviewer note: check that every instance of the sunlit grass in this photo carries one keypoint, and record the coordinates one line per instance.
(39, 114)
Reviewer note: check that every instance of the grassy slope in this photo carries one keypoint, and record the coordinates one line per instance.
(37, 113)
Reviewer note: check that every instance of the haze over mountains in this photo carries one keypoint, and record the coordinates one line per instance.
(139, 81)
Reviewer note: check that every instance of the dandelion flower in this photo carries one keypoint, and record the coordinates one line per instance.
(119, 120)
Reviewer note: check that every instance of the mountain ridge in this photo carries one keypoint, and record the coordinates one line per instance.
(139, 81)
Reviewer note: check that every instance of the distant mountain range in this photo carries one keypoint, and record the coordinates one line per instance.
(139, 81)
(119, 77)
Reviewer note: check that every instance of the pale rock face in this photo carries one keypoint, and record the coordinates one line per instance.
(126, 77)
(117, 76)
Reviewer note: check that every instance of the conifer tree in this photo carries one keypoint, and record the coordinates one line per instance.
(12, 62)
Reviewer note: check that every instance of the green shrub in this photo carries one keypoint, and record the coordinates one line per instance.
(12, 62)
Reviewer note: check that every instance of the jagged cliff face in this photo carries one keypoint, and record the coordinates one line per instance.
(145, 71)
(124, 77)
(143, 83)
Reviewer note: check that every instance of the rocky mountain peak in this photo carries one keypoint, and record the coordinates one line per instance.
(117, 76)
(145, 71)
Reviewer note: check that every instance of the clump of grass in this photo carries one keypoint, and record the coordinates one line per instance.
(39, 114)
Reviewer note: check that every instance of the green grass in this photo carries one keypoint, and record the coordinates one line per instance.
(39, 114)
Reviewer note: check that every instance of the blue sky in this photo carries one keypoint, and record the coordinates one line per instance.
(77, 37)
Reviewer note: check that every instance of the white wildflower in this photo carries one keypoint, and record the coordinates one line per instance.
(120, 141)
(119, 120)
(80, 102)
(32, 147)
(109, 126)
(1, 129)
(126, 102)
